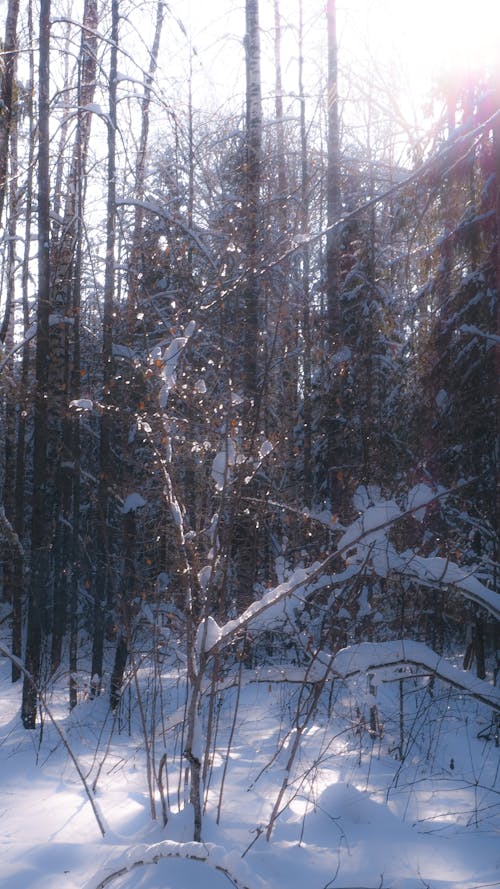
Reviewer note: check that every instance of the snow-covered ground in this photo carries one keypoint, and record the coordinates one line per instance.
(353, 815)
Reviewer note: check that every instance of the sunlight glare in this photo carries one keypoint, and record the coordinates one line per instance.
(447, 37)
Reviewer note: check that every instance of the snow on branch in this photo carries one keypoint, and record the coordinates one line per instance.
(203, 853)
(368, 656)
(438, 572)
(367, 535)
(169, 358)
(162, 211)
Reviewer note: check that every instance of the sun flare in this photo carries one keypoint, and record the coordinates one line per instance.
(451, 37)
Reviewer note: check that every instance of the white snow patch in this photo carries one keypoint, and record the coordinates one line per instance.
(420, 496)
(372, 525)
(204, 576)
(221, 463)
(207, 635)
(170, 358)
(132, 502)
(442, 400)
(436, 569)
(82, 404)
(265, 449)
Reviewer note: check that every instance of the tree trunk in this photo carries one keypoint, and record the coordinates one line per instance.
(102, 591)
(39, 520)
(7, 93)
(253, 173)
(306, 324)
(496, 145)
(11, 400)
(140, 175)
(335, 402)
(20, 484)
(244, 533)
(64, 337)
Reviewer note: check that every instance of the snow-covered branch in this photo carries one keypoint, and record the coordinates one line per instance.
(441, 572)
(368, 532)
(163, 213)
(203, 853)
(367, 657)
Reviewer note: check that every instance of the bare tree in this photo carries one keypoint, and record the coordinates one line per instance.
(40, 520)
(103, 580)
(7, 93)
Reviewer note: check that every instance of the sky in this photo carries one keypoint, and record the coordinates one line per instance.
(432, 35)
(423, 38)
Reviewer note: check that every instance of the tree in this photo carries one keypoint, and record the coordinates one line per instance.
(40, 521)
(103, 589)
(7, 94)
(335, 402)
(64, 380)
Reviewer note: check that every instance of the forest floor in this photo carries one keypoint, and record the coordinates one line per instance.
(355, 814)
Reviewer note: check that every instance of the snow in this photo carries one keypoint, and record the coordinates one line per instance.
(265, 449)
(207, 635)
(221, 463)
(344, 354)
(93, 107)
(132, 502)
(367, 656)
(264, 611)
(413, 802)
(371, 525)
(354, 815)
(366, 539)
(204, 576)
(82, 404)
(420, 496)
(176, 513)
(170, 358)
(437, 570)
(442, 400)
(121, 351)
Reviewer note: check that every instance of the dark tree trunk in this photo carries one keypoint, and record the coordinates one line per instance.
(9, 60)
(39, 522)
(251, 300)
(19, 494)
(64, 337)
(102, 588)
(335, 401)
(496, 145)
(306, 323)
(244, 542)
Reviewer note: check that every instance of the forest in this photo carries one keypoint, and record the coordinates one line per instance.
(250, 414)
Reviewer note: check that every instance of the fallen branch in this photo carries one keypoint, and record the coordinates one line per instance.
(201, 853)
(365, 658)
(368, 656)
